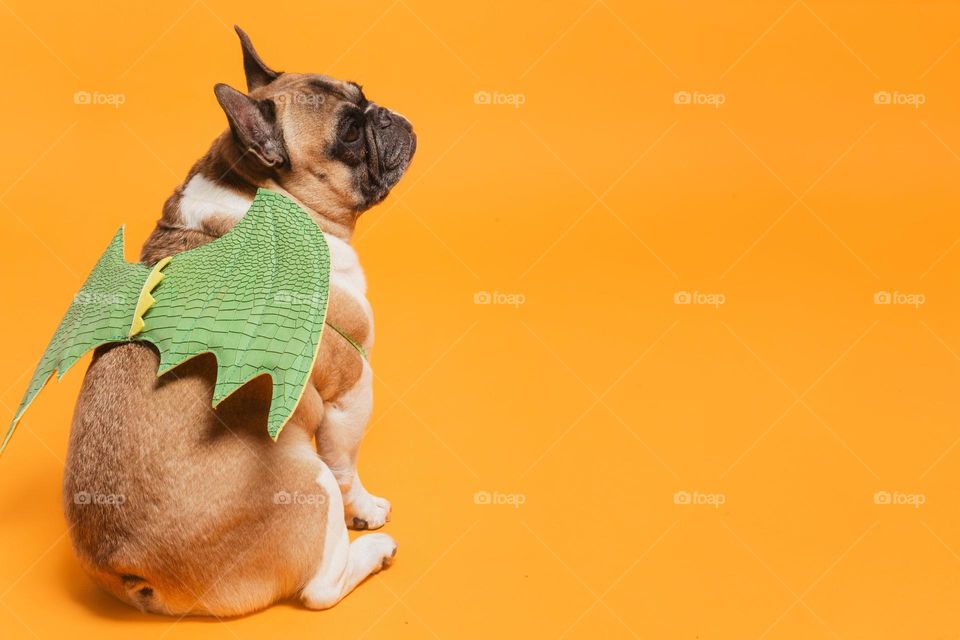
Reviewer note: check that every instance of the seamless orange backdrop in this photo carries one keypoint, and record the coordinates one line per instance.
(667, 315)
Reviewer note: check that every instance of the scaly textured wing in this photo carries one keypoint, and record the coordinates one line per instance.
(100, 312)
(256, 298)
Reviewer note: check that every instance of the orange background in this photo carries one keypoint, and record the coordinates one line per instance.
(598, 399)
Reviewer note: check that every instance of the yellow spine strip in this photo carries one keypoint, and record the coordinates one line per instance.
(145, 301)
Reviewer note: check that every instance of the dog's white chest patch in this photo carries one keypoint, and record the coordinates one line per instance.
(203, 198)
(347, 274)
(345, 270)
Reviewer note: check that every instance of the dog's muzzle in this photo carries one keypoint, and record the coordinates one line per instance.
(391, 144)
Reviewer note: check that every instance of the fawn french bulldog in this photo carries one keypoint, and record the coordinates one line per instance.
(216, 519)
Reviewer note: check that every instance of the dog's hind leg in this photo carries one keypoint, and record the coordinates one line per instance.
(338, 442)
(344, 564)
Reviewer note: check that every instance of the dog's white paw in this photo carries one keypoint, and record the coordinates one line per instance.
(383, 547)
(366, 511)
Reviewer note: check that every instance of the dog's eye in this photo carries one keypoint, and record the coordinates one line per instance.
(351, 133)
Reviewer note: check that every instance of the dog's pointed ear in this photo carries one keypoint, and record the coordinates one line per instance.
(257, 72)
(254, 124)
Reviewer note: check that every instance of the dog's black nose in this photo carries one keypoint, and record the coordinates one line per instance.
(383, 118)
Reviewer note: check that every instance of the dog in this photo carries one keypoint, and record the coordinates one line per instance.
(209, 516)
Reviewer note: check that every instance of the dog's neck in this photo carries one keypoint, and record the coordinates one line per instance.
(219, 189)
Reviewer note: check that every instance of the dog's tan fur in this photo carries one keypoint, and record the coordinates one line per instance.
(199, 530)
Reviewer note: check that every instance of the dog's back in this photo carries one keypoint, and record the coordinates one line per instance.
(172, 505)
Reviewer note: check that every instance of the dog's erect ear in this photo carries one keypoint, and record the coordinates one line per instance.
(258, 73)
(254, 123)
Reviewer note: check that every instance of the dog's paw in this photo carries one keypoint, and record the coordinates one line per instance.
(367, 511)
(383, 547)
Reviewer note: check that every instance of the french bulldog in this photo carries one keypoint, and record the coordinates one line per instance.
(210, 516)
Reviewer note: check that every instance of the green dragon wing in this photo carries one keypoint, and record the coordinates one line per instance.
(101, 312)
(256, 298)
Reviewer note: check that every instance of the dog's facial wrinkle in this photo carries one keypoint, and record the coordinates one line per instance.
(349, 92)
(373, 154)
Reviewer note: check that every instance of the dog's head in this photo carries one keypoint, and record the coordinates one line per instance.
(318, 138)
